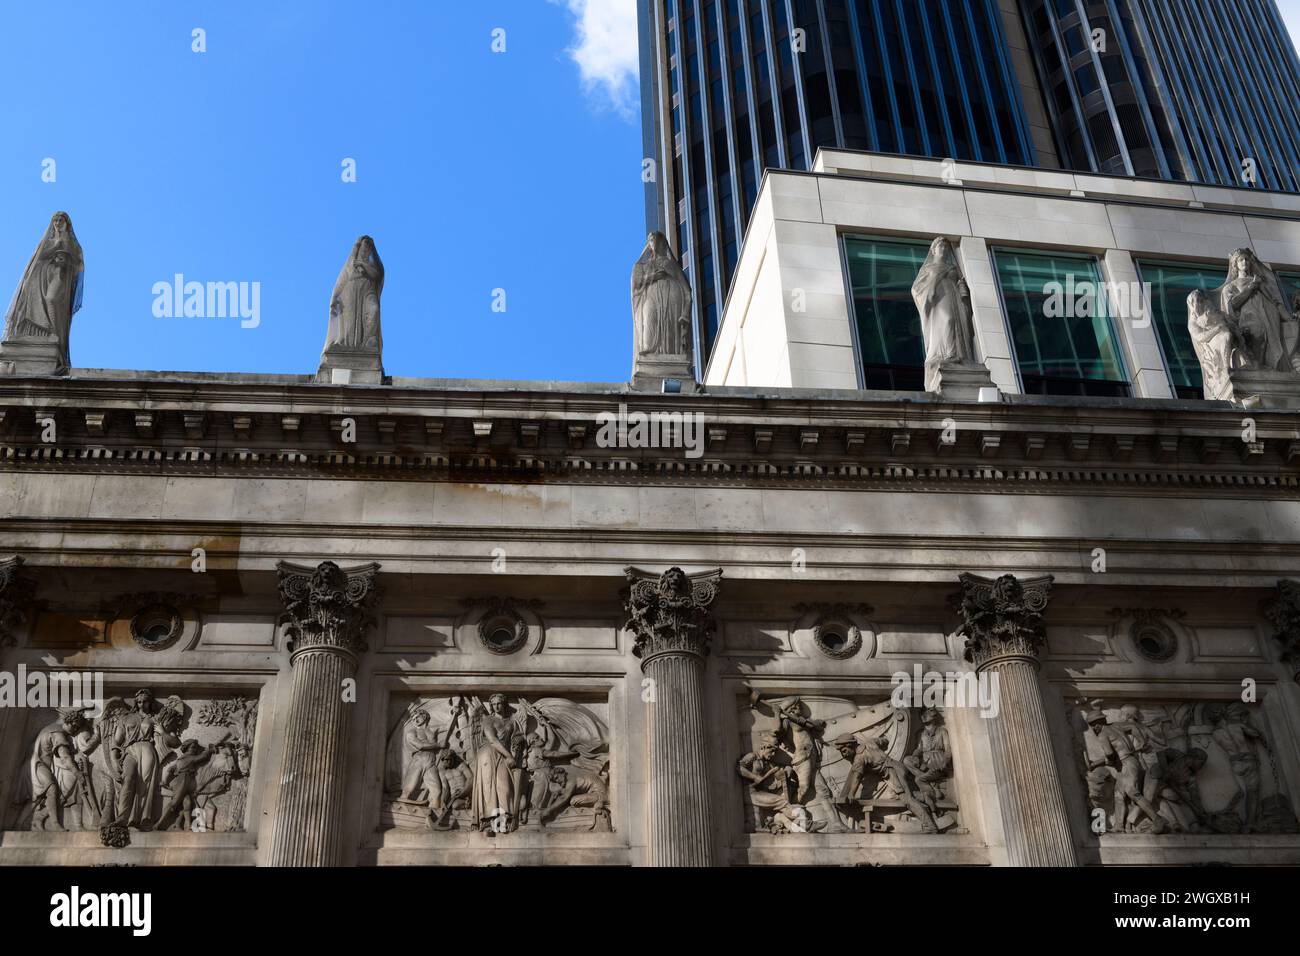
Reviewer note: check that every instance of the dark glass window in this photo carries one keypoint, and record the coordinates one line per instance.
(1171, 284)
(1063, 339)
(881, 273)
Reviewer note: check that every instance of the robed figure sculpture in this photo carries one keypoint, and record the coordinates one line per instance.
(1217, 343)
(661, 311)
(1252, 299)
(947, 319)
(39, 320)
(354, 307)
(354, 343)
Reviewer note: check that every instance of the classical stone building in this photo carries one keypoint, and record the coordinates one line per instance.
(352, 619)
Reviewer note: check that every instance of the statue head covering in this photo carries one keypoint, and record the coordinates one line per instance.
(51, 289)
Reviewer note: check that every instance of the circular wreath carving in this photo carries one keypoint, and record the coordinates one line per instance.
(156, 626)
(1154, 641)
(503, 632)
(837, 639)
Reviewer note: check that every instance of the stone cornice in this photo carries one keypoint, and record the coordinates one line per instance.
(524, 432)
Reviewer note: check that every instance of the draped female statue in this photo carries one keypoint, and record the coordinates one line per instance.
(661, 301)
(354, 306)
(50, 291)
(943, 299)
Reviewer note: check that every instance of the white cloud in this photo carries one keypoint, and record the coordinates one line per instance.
(605, 50)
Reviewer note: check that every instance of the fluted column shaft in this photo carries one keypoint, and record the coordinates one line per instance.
(327, 607)
(1004, 630)
(1034, 816)
(307, 813)
(669, 617)
(681, 818)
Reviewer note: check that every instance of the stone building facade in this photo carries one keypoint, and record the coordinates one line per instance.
(376, 620)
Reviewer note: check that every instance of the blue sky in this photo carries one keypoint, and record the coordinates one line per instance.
(476, 171)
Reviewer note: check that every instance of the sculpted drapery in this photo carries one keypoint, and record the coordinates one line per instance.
(943, 300)
(354, 306)
(51, 288)
(661, 301)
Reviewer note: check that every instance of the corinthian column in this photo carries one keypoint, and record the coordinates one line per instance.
(669, 617)
(328, 610)
(1003, 627)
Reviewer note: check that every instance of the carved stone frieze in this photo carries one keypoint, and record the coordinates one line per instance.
(141, 764)
(670, 613)
(497, 766)
(1002, 619)
(1190, 767)
(328, 606)
(815, 764)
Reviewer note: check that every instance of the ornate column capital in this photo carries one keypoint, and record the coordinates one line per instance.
(1283, 611)
(327, 606)
(16, 595)
(1002, 620)
(669, 613)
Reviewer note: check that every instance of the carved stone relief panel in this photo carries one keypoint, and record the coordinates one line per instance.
(143, 763)
(1188, 767)
(497, 764)
(814, 764)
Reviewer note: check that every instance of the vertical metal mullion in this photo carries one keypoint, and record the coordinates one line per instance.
(1067, 75)
(1151, 55)
(729, 123)
(1105, 88)
(889, 75)
(1273, 119)
(911, 75)
(984, 85)
(962, 88)
(832, 88)
(799, 87)
(1208, 86)
(774, 81)
(1010, 84)
(1215, 159)
(751, 77)
(938, 78)
(1139, 88)
(868, 104)
(1246, 105)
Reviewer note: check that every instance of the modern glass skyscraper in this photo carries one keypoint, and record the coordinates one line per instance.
(1199, 90)
(731, 87)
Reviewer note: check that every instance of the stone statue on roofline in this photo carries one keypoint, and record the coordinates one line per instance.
(354, 343)
(661, 312)
(38, 323)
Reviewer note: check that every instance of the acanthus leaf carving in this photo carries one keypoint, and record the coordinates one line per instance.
(328, 606)
(670, 613)
(1002, 619)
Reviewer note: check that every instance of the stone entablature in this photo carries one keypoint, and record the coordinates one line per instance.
(217, 422)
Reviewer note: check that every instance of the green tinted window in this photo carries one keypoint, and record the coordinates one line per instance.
(881, 273)
(1063, 340)
(1171, 284)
